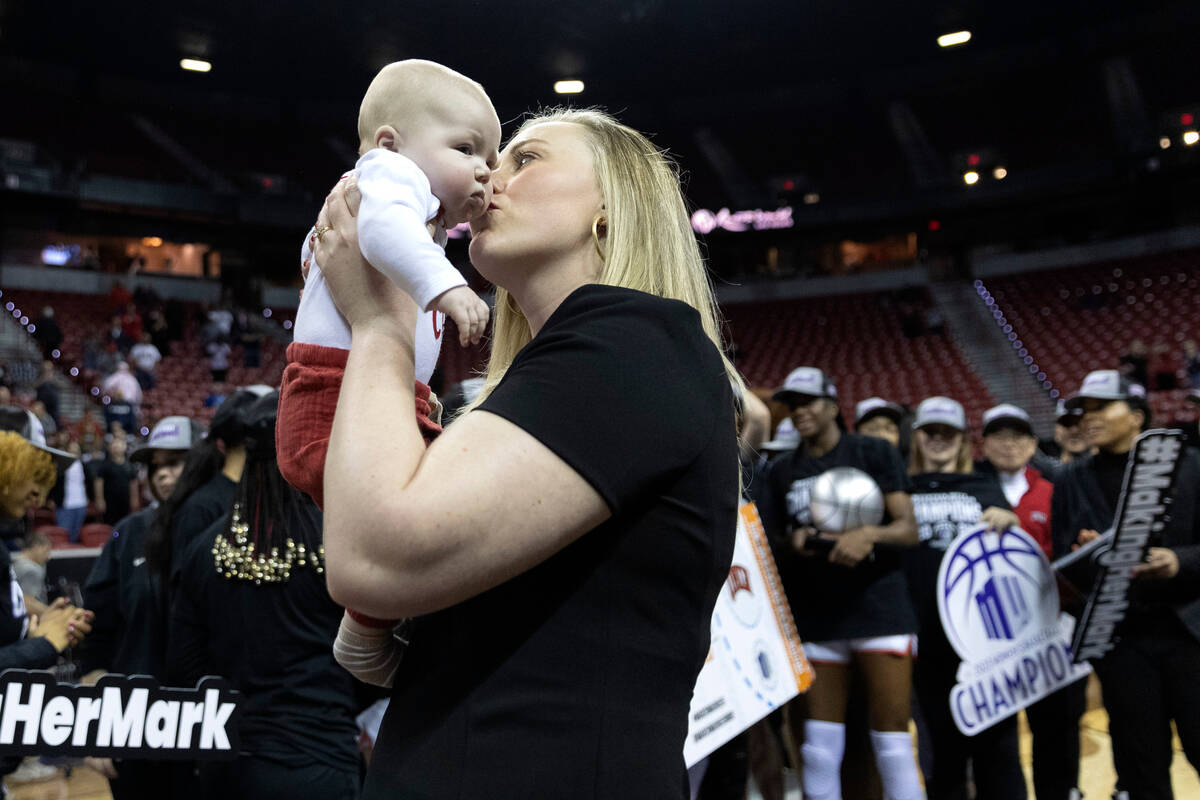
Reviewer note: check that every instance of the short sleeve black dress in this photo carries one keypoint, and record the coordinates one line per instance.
(573, 680)
(831, 602)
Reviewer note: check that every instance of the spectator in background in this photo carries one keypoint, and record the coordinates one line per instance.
(222, 321)
(145, 357)
(5, 395)
(131, 324)
(48, 424)
(88, 431)
(113, 483)
(116, 335)
(29, 565)
(250, 339)
(1191, 364)
(47, 333)
(879, 418)
(160, 336)
(218, 359)
(119, 296)
(47, 390)
(121, 385)
(1164, 367)
(73, 509)
(1133, 365)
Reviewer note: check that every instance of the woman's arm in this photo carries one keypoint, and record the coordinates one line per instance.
(410, 530)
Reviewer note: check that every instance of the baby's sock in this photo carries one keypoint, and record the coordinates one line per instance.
(368, 653)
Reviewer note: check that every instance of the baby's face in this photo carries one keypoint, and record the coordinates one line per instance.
(457, 155)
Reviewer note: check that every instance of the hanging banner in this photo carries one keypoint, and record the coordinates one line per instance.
(755, 663)
(119, 717)
(1144, 502)
(998, 601)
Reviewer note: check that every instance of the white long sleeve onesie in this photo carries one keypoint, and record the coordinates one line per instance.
(397, 202)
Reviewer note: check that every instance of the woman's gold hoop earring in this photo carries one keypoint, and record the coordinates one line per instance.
(596, 223)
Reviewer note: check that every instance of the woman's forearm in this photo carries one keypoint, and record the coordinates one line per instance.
(375, 447)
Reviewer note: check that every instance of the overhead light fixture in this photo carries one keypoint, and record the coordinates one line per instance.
(952, 39)
(999, 173)
(152, 241)
(1164, 142)
(195, 65)
(568, 87)
(811, 199)
(971, 178)
(1191, 137)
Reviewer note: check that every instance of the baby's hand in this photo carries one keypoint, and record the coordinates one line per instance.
(469, 313)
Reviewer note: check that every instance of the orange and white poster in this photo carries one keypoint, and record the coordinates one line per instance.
(755, 663)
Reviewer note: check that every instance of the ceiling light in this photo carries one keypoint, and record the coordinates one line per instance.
(195, 64)
(568, 87)
(1190, 138)
(812, 198)
(951, 39)
(1164, 142)
(999, 173)
(152, 241)
(971, 178)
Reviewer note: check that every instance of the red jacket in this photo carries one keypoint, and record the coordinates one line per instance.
(1034, 509)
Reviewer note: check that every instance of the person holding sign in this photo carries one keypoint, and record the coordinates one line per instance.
(562, 544)
(950, 497)
(1152, 676)
(848, 598)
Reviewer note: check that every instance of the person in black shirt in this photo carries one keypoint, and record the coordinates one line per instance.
(1152, 676)
(948, 498)
(562, 544)
(849, 600)
(114, 481)
(269, 631)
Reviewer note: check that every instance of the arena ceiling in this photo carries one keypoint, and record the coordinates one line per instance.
(846, 98)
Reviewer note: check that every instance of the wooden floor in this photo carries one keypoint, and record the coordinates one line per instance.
(1096, 770)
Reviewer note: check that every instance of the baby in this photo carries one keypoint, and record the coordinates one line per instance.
(428, 138)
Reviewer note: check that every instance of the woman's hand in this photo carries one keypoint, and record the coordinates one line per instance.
(1161, 564)
(851, 547)
(364, 296)
(998, 519)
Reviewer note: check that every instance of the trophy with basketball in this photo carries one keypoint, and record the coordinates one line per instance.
(842, 499)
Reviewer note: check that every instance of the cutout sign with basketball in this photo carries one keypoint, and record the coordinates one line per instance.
(998, 601)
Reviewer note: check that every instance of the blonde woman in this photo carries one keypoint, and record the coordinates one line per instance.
(948, 497)
(562, 544)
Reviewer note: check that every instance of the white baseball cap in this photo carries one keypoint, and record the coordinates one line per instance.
(170, 433)
(874, 407)
(1006, 415)
(940, 411)
(25, 423)
(807, 381)
(1105, 384)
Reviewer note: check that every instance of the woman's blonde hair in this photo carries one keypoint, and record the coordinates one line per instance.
(963, 463)
(649, 245)
(20, 461)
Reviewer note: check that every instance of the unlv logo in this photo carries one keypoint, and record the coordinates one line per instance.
(745, 605)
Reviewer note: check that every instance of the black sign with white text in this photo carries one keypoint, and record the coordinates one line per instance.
(119, 717)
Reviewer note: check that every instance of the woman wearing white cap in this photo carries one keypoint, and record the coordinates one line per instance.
(949, 496)
(1152, 676)
(848, 598)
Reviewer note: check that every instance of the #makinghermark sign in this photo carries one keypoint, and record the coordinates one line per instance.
(1144, 503)
(755, 663)
(119, 717)
(998, 600)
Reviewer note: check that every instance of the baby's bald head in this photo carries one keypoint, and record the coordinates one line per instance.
(406, 94)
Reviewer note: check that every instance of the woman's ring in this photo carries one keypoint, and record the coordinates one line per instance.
(321, 230)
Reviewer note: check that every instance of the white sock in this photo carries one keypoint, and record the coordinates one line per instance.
(318, 321)
(897, 765)
(370, 654)
(824, 744)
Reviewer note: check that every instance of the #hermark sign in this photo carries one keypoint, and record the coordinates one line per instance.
(998, 601)
(119, 717)
(755, 663)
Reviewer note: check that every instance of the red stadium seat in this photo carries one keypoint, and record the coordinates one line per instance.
(59, 537)
(95, 534)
